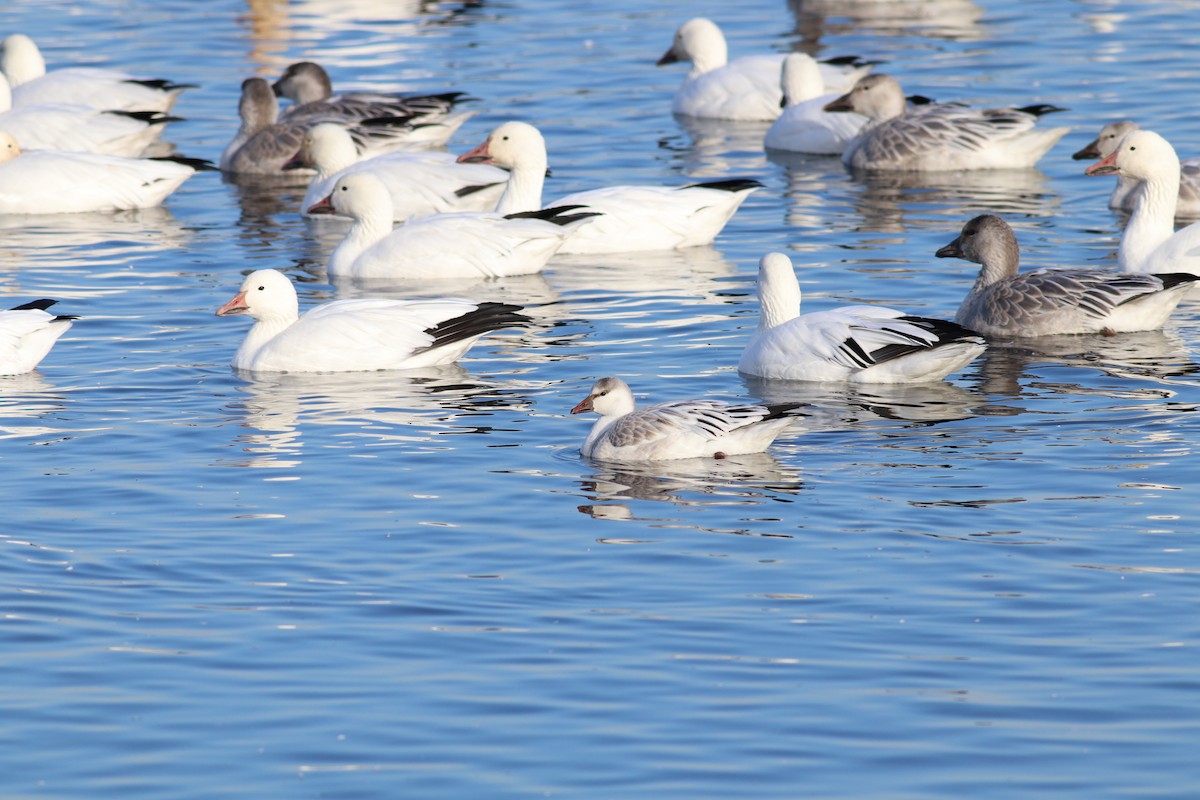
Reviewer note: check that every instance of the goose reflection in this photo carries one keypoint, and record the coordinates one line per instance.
(837, 406)
(698, 272)
(25, 402)
(718, 148)
(955, 20)
(736, 480)
(94, 239)
(405, 408)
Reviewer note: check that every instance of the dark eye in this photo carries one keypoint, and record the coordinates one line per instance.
(261, 288)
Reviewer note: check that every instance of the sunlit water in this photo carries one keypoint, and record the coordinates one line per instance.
(412, 586)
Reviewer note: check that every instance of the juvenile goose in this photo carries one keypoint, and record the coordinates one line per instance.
(805, 126)
(355, 335)
(1054, 301)
(53, 182)
(419, 183)
(677, 429)
(23, 65)
(1124, 195)
(939, 136)
(1150, 243)
(264, 143)
(307, 85)
(458, 245)
(858, 344)
(745, 89)
(27, 332)
(631, 217)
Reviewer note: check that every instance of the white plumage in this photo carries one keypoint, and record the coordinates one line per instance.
(27, 332)
(805, 126)
(1124, 194)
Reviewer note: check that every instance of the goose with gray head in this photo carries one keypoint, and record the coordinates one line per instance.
(631, 217)
(355, 335)
(744, 89)
(1124, 194)
(676, 429)
(27, 332)
(452, 245)
(855, 344)
(1150, 243)
(420, 183)
(1045, 302)
(939, 136)
(23, 65)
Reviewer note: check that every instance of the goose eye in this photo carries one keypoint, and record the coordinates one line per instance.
(262, 288)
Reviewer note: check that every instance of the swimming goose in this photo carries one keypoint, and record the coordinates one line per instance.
(632, 217)
(678, 429)
(27, 332)
(1150, 243)
(458, 245)
(419, 183)
(940, 136)
(23, 65)
(1124, 193)
(858, 344)
(1054, 301)
(53, 182)
(79, 129)
(265, 143)
(805, 126)
(355, 335)
(745, 89)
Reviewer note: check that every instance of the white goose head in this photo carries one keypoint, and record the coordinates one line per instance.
(266, 294)
(1142, 155)
(360, 196)
(801, 79)
(9, 149)
(778, 290)
(512, 145)
(20, 59)
(699, 41)
(877, 97)
(609, 397)
(327, 148)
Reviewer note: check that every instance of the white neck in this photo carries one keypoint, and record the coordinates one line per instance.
(23, 64)
(333, 157)
(259, 335)
(1152, 222)
(5, 94)
(597, 431)
(523, 192)
(369, 228)
(778, 300)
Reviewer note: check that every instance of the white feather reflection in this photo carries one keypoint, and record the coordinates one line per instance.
(749, 480)
(693, 272)
(95, 239)
(718, 148)
(957, 20)
(409, 408)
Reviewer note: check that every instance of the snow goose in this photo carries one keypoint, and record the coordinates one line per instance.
(23, 65)
(1124, 193)
(79, 129)
(264, 142)
(27, 332)
(745, 89)
(52, 182)
(1054, 301)
(419, 183)
(858, 344)
(805, 126)
(939, 136)
(457, 245)
(355, 335)
(631, 217)
(1150, 243)
(677, 429)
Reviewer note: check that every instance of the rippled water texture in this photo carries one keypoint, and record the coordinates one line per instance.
(412, 586)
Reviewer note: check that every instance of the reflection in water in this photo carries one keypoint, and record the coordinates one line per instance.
(718, 148)
(895, 202)
(837, 406)
(957, 20)
(97, 239)
(694, 272)
(25, 400)
(736, 480)
(387, 406)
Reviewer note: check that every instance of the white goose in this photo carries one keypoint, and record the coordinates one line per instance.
(745, 89)
(678, 429)
(27, 332)
(79, 129)
(856, 344)
(355, 335)
(52, 182)
(264, 142)
(1054, 301)
(1150, 243)
(419, 183)
(23, 65)
(1124, 195)
(459, 245)
(940, 136)
(631, 217)
(805, 126)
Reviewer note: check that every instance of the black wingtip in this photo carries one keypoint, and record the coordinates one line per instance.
(485, 318)
(148, 117)
(730, 185)
(1173, 279)
(559, 215)
(40, 305)
(198, 164)
(1042, 109)
(162, 85)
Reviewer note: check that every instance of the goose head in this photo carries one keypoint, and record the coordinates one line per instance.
(358, 195)
(326, 147)
(257, 107)
(510, 146)
(9, 149)
(877, 97)
(609, 397)
(1142, 155)
(265, 294)
(778, 290)
(20, 59)
(699, 41)
(303, 82)
(1104, 144)
(801, 79)
(986, 240)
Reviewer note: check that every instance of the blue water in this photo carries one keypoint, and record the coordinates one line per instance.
(412, 586)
